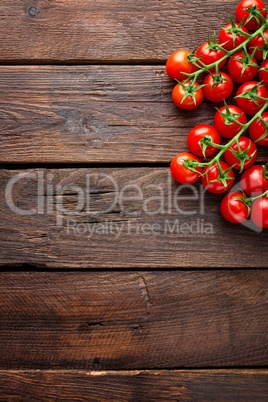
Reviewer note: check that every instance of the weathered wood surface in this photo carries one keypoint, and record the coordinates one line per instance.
(119, 30)
(131, 218)
(133, 320)
(105, 114)
(65, 322)
(133, 386)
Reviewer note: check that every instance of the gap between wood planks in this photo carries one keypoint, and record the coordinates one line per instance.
(36, 268)
(95, 165)
(142, 385)
(156, 62)
(178, 370)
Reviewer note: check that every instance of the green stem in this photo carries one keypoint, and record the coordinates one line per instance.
(228, 53)
(212, 144)
(216, 64)
(221, 172)
(260, 97)
(251, 199)
(234, 139)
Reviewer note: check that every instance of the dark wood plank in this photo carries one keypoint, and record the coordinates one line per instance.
(133, 320)
(130, 386)
(93, 114)
(118, 30)
(119, 227)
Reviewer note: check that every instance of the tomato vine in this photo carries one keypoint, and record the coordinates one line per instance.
(251, 98)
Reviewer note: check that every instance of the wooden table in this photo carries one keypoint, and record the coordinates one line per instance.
(139, 315)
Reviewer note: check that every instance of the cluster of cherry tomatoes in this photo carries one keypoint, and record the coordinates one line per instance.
(230, 120)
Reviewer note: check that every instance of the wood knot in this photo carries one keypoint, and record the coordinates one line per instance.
(32, 11)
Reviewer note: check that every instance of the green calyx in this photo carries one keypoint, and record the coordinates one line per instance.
(236, 30)
(228, 117)
(263, 48)
(192, 58)
(242, 156)
(223, 175)
(213, 45)
(246, 201)
(252, 94)
(265, 171)
(205, 142)
(246, 60)
(217, 79)
(190, 89)
(254, 12)
(192, 165)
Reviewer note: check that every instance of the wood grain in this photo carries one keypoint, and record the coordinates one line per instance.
(143, 386)
(134, 217)
(54, 325)
(93, 114)
(118, 30)
(133, 320)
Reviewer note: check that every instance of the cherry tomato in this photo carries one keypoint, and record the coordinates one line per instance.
(234, 161)
(254, 180)
(253, 23)
(181, 173)
(263, 74)
(220, 91)
(197, 134)
(257, 129)
(188, 103)
(178, 64)
(226, 36)
(233, 209)
(248, 105)
(210, 56)
(235, 69)
(258, 41)
(259, 212)
(213, 173)
(229, 131)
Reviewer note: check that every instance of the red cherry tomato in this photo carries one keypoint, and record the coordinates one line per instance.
(235, 69)
(258, 41)
(181, 173)
(234, 161)
(248, 105)
(200, 132)
(178, 64)
(210, 56)
(259, 212)
(254, 180)
(233, 209)
(188, 103)
(263, 73)
(220, 91)
(213, 173)
(257, 130)
(254, 23)
(230, 130)
(226, 36)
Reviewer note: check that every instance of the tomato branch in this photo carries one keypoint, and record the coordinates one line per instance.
(228, 53)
